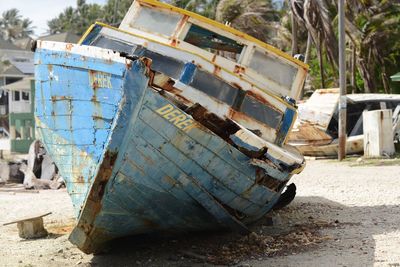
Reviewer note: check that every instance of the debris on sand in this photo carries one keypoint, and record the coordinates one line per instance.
(29, 228)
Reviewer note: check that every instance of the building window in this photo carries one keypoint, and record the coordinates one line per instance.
(25, 96)
(16, 96)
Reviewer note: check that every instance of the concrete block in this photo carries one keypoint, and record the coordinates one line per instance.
(4, 171)
(31, 228)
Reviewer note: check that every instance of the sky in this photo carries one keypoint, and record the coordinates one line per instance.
(40, 11)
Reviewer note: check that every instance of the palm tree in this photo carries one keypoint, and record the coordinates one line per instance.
(13, 26)
(115, 10)
(373, 27)
(258, 18)
(64, 21)
(78, 19)
(203, 7)
(317, 16)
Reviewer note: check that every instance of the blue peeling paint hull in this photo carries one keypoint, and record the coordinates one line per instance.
(128, 168)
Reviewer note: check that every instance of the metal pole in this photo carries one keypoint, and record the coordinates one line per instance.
(342, 76)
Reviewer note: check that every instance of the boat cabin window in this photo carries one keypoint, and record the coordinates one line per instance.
(115, 45)
(167, 65)
(273, 68)
(154, 21)
(261, 112)
(160, 63)
(212, 86)
(214, 42)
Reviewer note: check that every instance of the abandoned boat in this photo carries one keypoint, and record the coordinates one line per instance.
(315, 132)
(146, 148)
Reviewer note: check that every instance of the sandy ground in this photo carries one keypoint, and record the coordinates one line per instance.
(342, 216)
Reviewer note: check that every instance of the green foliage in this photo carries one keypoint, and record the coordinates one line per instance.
(115, 10)
(13, 26)
(330, 73)
(258, 18)
(379, 42)
(205, 8)
(77, 20)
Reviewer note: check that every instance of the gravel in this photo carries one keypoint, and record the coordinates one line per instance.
(343, 215)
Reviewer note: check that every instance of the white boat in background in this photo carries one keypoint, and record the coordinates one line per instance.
(315, 132)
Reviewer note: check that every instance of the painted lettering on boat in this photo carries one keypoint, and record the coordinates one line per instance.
(177, 117)
(100, 79)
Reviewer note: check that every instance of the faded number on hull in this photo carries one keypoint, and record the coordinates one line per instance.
(99, 79)
(175, 116)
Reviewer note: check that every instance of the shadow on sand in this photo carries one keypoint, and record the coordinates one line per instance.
(325, 228)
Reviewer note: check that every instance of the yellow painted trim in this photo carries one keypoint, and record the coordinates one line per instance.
(165, 44)
(299, 170)
(224, 28)
(88, 31)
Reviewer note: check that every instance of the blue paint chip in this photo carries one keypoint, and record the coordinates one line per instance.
(285, 126)
(188, 73)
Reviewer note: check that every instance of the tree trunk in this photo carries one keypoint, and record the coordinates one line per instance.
(353, 70)
(369, 85)
(114, 20)
(321, 63)
(385, 81)
(308, 49)
(295, 46)
(306, 60)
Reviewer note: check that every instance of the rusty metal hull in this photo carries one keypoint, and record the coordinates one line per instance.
(133, 161)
